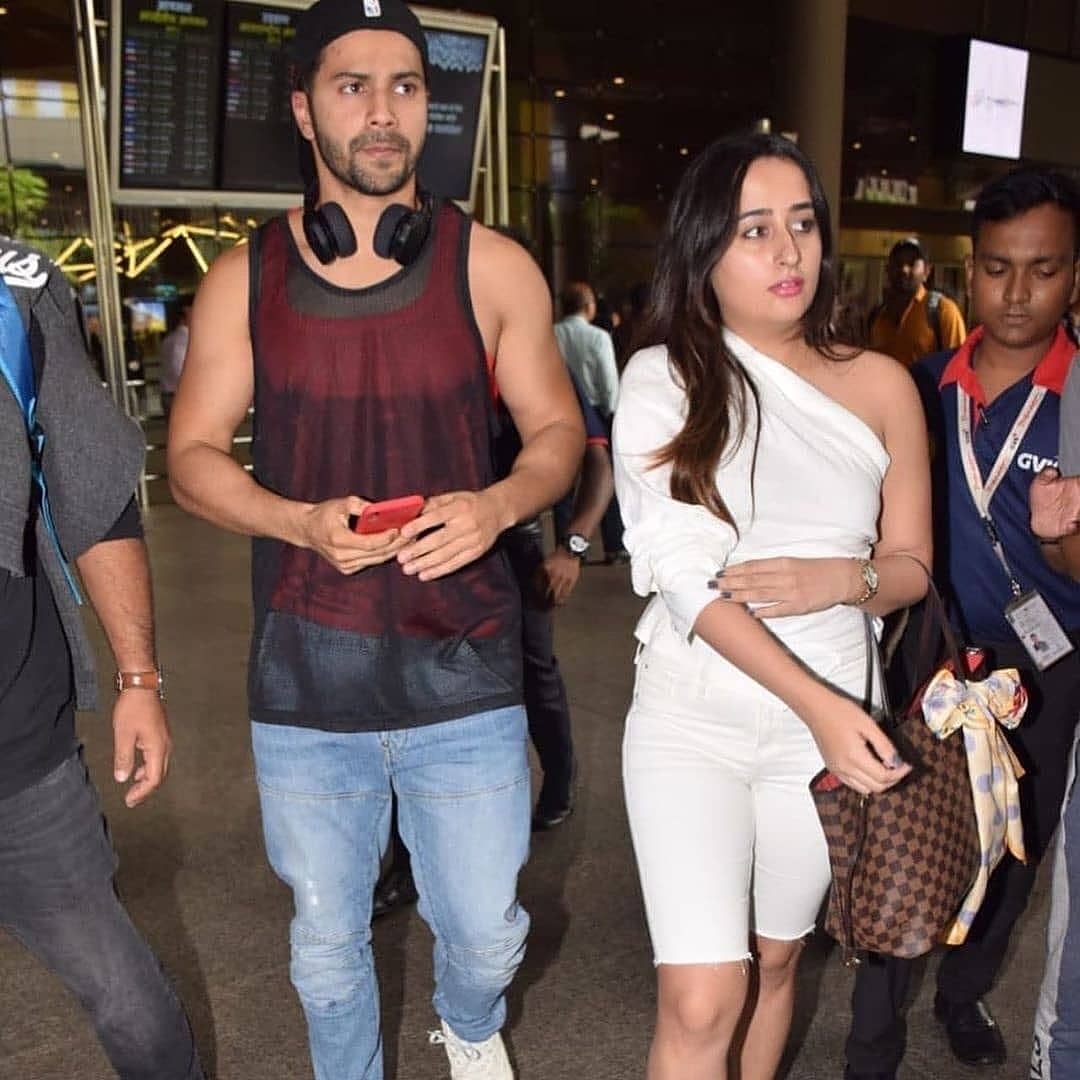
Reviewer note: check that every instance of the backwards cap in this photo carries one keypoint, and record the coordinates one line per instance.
(328, 20)
(910, 243)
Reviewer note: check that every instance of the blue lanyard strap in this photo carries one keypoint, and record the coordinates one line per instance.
(17, 367)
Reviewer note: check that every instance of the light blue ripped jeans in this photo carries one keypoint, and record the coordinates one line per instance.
(463, 812)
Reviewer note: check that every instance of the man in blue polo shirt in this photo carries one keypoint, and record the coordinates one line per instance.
(993, 409)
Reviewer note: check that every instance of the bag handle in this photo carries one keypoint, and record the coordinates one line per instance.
(936, 618)
(935, 627)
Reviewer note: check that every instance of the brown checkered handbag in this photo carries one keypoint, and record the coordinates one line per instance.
(902, 861)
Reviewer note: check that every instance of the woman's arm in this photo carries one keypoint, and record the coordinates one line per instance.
(903, 553)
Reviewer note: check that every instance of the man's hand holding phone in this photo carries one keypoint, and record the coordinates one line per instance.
(325, 528)
(454, 530)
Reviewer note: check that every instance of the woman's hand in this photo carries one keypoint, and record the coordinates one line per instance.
(790, 586)
(855, 749)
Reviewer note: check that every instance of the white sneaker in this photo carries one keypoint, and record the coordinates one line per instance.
(473, 1061)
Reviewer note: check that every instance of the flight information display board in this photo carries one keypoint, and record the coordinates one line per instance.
(458, 63)
(201, 101)
(258, 135)
(170, 80)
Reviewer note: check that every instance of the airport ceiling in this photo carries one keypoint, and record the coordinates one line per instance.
(578, 43)
(684, 67)
(666, 74)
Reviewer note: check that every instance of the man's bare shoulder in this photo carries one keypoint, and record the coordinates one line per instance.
(506, 283)
(229, 269)
(495, 256)
(222, 299)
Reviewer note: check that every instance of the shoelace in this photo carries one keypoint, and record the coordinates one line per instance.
(457, 1051)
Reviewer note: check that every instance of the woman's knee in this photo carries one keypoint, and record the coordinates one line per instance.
(705, 1001)
(777, 962)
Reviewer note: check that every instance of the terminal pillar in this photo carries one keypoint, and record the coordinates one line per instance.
(812, 86)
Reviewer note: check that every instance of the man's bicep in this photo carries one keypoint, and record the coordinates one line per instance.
(217, 384)
(533, 381)
(529, 370)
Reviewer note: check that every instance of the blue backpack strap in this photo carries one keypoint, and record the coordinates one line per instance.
(17, 367)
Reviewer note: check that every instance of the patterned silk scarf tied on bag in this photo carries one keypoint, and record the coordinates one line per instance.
(981, 709)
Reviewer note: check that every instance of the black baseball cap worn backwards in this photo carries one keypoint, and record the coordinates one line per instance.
(328, 20)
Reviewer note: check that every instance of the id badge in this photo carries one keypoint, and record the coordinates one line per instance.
(1041, 634)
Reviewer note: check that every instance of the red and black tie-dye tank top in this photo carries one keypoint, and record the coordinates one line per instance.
(377, 392)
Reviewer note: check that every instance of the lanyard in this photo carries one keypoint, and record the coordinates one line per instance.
(982, 493)
(17, 367)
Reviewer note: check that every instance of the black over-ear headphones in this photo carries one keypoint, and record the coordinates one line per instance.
(399, 233)
(326, 228)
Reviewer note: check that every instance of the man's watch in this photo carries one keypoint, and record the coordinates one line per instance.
(141, 680)
(577, 545)
(870, 581)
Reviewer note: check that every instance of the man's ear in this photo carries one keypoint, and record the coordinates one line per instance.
(301, 110)
(969, 271)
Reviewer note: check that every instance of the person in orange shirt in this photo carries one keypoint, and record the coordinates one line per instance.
(913, 321)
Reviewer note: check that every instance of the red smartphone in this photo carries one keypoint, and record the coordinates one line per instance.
(377, 517)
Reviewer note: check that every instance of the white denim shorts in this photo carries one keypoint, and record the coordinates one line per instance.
(725, 831)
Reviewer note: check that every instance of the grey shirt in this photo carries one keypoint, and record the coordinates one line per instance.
(1069, 446)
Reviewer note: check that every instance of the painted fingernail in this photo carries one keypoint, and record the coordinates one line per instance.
(725, 594)
(712, 584)
(719, 573)
(896, 762)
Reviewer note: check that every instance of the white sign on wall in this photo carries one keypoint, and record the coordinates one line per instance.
(994, 109)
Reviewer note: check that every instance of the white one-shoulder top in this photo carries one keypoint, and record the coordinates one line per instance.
(816, 494)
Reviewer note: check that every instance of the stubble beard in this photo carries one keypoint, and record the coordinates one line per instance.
(344, 164)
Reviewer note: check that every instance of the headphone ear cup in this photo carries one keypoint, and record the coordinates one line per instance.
(400, 232)
(317, 237)
(410, 237)
(387, 230)
(328, 233)
(338, 226)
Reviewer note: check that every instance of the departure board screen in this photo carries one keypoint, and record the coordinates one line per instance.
(170, 78)
(258, 137)
(458, 63)
(201, 101)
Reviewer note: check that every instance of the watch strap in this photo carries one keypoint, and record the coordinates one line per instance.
(579, 549)
(141, 680)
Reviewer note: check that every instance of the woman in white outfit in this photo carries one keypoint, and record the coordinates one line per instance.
(773, 485)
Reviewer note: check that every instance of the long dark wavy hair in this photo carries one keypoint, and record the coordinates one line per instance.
(684, 314)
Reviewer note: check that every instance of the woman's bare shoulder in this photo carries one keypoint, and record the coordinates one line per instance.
(886, 386)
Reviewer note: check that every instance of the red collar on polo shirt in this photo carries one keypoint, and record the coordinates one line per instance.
(1051, 370)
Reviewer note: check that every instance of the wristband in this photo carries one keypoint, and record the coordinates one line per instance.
(141, 680)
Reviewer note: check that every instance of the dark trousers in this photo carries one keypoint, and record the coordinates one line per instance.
(545, 691)
(57, 898)
(1042, 742)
